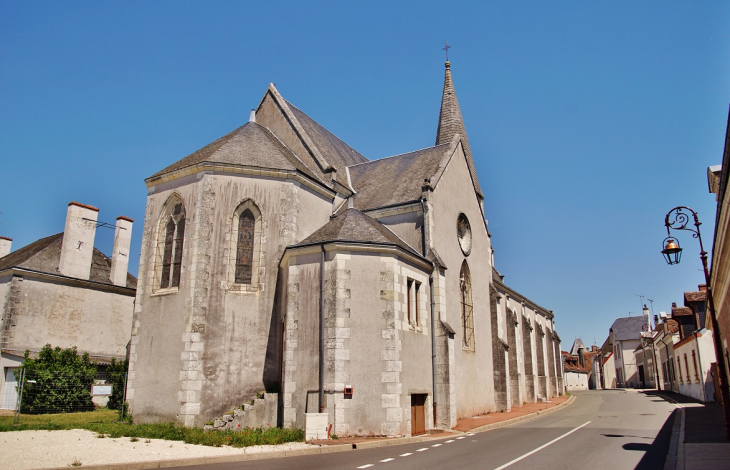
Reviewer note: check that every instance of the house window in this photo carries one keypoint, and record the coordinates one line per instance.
(414, 290)
(694, 363)
(170, 240)
(679, 371)
(245, 248)
(686, 368)
(467, 308)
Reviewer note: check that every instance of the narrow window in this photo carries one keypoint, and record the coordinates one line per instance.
(686, 368)
(409, 308)
(679, 371)
(416, 302)
(170, 243)
(244, 247)
(694, 363)
(467, 309)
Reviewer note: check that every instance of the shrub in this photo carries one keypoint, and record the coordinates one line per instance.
(117, 371)
(59, 380)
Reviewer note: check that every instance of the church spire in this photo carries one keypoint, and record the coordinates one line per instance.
(451, 123)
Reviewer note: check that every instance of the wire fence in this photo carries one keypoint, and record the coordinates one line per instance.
(44, 392)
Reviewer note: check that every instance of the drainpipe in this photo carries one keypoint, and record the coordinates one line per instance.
(424, 239)
(701, 374)
(321, 331)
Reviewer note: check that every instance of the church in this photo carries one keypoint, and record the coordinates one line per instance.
(281, 269)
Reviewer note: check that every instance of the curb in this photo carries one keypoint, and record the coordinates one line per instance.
(311, 451)
(519, 419)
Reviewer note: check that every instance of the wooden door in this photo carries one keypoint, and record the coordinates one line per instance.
(418, 414)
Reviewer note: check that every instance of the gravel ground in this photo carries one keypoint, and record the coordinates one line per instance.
(21, 450)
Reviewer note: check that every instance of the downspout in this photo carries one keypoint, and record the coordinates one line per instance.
(424, 244)
(321, 331)
(701, 374)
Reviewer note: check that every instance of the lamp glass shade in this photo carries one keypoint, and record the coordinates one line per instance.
(672, 252)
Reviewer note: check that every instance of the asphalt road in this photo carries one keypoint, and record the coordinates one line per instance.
(607, 429)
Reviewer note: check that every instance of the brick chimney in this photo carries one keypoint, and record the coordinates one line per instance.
(120, 254)
(77, 247)
(702, 287)
(5, 243)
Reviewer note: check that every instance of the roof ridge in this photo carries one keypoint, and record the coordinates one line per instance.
(398, 155)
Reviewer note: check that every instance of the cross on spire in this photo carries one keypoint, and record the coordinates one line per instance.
(446, 48)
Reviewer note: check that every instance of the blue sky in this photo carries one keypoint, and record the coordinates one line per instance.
(588, 120)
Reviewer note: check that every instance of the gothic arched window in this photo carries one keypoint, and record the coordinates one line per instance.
(245, 246)
(467, 308)
(170, 244)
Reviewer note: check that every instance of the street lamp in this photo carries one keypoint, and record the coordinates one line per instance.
(679, 219)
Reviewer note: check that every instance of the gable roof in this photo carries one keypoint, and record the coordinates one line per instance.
(627, 328)
(250, 145)
(577, 345)
(451, 123)
(44, 255)
(333, 149)
(396, 179)
(354, 226)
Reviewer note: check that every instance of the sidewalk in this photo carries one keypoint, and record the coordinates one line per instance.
(699, 435)
(517, 414)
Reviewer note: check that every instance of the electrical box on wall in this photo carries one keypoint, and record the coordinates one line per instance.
(348, 391)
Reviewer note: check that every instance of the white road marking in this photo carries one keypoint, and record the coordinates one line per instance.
(387, 460)
(406, 454)
(462, 437)
(542, 447)
(449, 441)
(365, 466)
(436, 445)
(470, 434)
(421, 450)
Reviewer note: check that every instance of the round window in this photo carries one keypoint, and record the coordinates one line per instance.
(463, 231)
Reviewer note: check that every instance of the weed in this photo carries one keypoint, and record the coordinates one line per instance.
(76, 463)
(133, 439)
(334, 436)
(147, 441)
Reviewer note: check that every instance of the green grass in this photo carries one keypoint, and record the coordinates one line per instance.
(105, 422)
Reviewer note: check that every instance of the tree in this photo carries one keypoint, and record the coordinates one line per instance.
(58, 381)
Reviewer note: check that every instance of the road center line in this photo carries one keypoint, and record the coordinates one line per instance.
(406, 454)
(365, 466)
(421, 450)
(437, 445)
(387, 460)
(449, 441)
(542, 447)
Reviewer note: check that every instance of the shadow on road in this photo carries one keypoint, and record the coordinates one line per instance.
(656, 452)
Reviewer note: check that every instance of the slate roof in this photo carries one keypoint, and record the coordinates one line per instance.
(44, 255)
(335, 151)
(627, 328)
(395, 179)
(354, 226)
(250, 145)
(452, 123)
(577, 344)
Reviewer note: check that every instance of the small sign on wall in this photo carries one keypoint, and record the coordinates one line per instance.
(101, 390)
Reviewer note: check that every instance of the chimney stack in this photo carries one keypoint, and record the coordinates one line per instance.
(5, 243)
(120, 254)
(702, 287)
(77, 248)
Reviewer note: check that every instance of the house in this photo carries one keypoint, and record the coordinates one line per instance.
(717, 180)
(61, 290)
(694, 352)
(624, 337)
(361, 293)
(575, 374)
(667, 335)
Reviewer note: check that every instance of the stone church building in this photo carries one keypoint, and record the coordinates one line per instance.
(279, 259)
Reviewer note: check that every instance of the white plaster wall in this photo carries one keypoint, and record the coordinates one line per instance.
(576, 381)
(454, 194)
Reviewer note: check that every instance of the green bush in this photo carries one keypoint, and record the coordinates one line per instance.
(117, 371)
(59, 381)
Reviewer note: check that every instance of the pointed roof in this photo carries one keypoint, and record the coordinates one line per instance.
(249, 145)
(44, 255)
(354, 226)
(451, 123)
